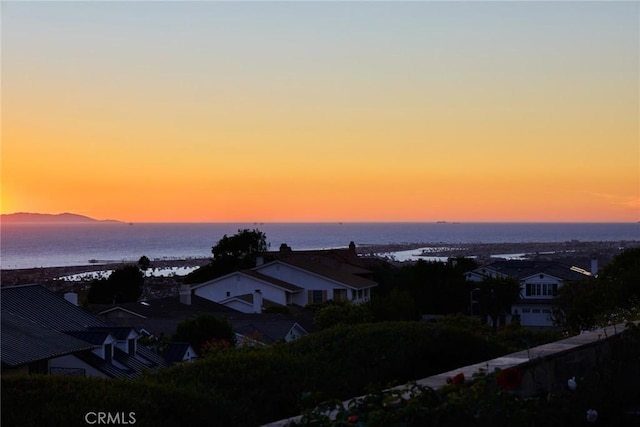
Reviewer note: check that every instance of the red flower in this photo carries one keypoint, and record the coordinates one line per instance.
(509, 378)
(353, 419)
(457, 379)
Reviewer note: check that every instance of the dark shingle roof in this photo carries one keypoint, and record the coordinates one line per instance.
(154, 358)
(341, 275)
(38, 324)
(24, 341)
(105, 367)
(270, 328)
(134, 364)
(46, 308)
(120, 333)
(93, 337)
(169, 307)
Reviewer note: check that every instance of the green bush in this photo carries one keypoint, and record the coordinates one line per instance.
(248, 387)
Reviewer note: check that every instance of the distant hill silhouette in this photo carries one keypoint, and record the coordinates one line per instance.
(49, 218)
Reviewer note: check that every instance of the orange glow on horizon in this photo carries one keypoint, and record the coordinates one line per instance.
(411, 122)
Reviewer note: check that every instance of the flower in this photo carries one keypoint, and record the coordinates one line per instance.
(572, 384)
(457, 379)
(353, 419)
(592, 415)
(509, 378)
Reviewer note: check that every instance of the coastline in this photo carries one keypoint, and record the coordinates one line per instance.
(48, 274)
(571, 251)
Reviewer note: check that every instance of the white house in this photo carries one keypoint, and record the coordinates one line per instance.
(293, 280)
(539, 284)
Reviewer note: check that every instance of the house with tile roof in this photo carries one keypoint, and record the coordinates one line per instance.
(539, 284)
(44, 333)
(291, 279)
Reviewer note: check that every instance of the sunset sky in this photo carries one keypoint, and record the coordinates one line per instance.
(322, 111)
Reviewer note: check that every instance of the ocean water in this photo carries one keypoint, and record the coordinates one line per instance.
(49, 245)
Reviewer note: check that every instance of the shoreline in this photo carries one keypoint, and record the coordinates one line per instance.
(483, 252)
(10, 277)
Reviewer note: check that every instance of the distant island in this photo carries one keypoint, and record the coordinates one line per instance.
(66, 218)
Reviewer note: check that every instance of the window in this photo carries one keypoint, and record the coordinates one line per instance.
(108, 353)
(535, 310)
(340, 295)
(541, 289)
(317, 297)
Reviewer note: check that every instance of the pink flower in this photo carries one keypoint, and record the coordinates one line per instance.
(592, 415)
(509, 378)
(353, 419)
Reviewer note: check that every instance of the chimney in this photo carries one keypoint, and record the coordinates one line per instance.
(72, 297)
(594, 266)
(259, 260)
(185, 294)
(257, 301)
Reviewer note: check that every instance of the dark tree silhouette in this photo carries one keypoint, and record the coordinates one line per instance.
(232, 253)
(202, 329)
(123, 285)
(495, 296)
(144, 263)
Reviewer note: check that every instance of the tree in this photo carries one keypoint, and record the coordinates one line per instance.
(495, 296)
(581, 304)
(333, 314)
(619, 283)
(203, 330)
(242, 245)
(395, 306)
(144, 263)
(232, 253)
(123, 285)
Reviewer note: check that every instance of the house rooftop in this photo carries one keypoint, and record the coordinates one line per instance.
(46, 308)
(168, 307)
(268, 328)
(519, 269)
(24, 341)
(343, 274)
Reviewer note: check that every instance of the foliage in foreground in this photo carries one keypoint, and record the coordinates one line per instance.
(252, 386)
(605, 396)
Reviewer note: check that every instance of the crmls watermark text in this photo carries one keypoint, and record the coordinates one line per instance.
(113, 418)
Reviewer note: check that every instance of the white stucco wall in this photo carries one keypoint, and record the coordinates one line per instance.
(306, 280)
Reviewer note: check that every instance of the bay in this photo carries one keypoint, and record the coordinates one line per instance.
(51, 245)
